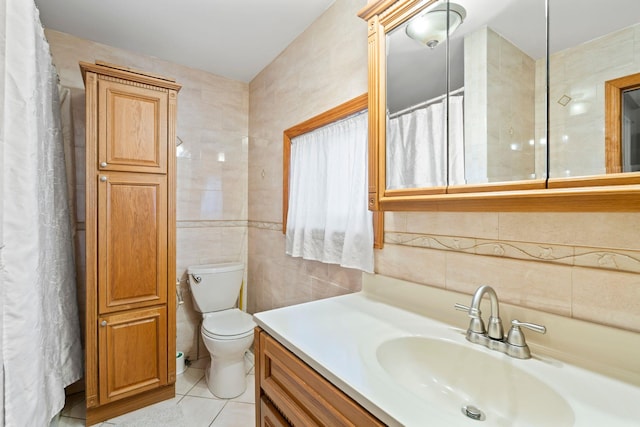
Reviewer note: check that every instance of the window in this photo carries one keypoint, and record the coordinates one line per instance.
(325, 212)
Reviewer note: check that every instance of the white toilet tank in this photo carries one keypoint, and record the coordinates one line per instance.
(215, 287)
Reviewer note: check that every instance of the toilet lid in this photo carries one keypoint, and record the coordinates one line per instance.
(228, 323)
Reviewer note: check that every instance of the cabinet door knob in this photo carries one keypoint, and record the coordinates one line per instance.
(103, 178)
(103, 164)
(103, 323)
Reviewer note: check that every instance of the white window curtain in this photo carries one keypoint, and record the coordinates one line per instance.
(328, 218)
(40, 342)
(417, 146)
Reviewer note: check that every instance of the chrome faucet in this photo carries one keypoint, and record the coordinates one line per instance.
(514, 344)
(495, 330)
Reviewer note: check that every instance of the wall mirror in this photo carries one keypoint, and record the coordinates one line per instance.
(594, 58)
(460, 117)
(486, 63)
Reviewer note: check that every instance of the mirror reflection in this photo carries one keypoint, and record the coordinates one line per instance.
(631, 131)
(464, 109)
(416, 101)
(593, 43)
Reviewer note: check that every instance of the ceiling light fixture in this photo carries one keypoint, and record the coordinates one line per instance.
(430, 28)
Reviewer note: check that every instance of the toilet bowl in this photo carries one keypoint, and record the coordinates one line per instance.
(227, 332)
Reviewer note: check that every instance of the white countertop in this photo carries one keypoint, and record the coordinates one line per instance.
(338, 337)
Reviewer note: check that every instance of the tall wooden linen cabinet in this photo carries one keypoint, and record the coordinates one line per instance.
(130, 239)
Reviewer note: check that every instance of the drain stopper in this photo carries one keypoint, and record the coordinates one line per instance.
(473, 412)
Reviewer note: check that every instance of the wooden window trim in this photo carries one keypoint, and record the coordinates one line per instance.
(341, 111)
(613, 90)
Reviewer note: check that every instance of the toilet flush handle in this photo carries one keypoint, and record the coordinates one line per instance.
(197, 278)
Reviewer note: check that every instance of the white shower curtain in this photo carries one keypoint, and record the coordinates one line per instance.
(417, 146)
(456, 140)
(328, 218)
(41, 349)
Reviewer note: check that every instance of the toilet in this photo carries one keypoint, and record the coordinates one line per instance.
(227, 331)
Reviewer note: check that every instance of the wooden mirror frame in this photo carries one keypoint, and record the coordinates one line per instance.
(615, 192)
(340, 112)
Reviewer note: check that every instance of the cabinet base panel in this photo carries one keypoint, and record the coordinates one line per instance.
(120, 407)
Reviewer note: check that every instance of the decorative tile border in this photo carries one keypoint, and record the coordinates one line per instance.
(608, 259)
(194, 224)
(211, 224)
(276, 226)
(446, 243)
(526, 251)
(618, 260)
(264, 225)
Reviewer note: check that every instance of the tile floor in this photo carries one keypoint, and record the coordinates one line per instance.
(193, 406)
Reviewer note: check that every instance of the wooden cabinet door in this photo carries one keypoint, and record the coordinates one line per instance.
(132, 352)
(270, 417)
(132, 127)
(303, 396)
(132, 241)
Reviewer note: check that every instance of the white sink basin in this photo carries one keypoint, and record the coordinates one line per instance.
(453, 376)
(411, 370)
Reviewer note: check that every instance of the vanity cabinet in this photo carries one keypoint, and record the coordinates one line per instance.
(130, 239)
(289, 392)
(269, 415)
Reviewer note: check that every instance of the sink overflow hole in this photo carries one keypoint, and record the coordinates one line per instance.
(474, 413)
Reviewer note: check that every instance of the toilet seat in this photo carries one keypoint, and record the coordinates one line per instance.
(228, 324)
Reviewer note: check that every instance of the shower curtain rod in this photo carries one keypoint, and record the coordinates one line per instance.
(425, 103)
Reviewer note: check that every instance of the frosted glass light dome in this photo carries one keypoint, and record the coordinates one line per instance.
(430, 28)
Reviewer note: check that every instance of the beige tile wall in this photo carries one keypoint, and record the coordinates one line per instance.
(499, 85)
(324, 67)
(211, 195)
(511, 116)
(583, 265)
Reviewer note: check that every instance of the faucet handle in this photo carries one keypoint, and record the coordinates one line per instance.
(515, 335)
(476, 325)
(516, 344)
(533, 326)
(473, 312)
(462, 307)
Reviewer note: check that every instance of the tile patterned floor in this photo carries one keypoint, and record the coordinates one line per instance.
(193, 406)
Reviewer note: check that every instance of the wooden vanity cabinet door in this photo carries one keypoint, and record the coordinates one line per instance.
(300, 394)
(270, 415)
(132, 126)
(132, 352)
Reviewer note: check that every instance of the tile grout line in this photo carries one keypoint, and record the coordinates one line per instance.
(219, 412)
